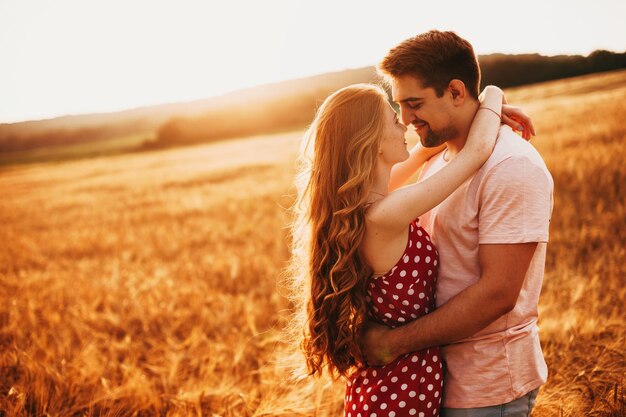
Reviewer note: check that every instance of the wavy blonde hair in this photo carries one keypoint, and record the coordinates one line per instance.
(336, 173)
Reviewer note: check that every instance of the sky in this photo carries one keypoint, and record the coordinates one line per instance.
(84, 56)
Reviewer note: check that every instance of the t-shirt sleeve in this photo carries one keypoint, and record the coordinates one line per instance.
(515, 203)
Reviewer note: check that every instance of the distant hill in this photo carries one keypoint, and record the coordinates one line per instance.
(97, 127)
(267, 108)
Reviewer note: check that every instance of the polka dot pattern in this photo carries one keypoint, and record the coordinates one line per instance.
(412, 384)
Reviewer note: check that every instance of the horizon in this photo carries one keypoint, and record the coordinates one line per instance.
(206, 50)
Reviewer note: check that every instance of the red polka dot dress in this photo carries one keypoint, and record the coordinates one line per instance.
(412, 384)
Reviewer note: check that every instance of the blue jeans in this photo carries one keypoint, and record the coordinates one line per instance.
(520, 407)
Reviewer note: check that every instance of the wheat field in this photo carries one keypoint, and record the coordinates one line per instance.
(151, 283)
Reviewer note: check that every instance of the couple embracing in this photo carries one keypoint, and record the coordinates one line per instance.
(423, 296)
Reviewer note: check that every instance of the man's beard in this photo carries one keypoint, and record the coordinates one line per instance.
(430, 139)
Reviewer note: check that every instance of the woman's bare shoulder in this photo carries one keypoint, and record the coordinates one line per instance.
(380, 217)
(378, 225)
(382, 245)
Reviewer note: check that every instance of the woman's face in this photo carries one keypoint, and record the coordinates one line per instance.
(393, 145)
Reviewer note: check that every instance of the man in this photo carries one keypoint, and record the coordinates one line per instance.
(491, 234)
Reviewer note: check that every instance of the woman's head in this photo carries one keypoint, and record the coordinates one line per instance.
(349, 136)
(346, 134)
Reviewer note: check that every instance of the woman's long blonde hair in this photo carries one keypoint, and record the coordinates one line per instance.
(333, 185)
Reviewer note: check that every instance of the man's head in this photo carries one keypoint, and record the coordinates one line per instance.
(434, 76)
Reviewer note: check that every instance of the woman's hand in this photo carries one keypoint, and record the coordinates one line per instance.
(514, 117)
(518, 120)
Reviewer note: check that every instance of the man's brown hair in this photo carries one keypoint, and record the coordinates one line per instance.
(435, 58)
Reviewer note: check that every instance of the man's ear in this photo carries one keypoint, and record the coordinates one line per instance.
(458, 92)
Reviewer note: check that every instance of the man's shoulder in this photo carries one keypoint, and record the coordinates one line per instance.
(510, 153)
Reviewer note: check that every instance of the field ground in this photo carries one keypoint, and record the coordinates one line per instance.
(150, 283)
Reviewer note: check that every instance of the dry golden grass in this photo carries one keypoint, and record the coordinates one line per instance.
(148, 284)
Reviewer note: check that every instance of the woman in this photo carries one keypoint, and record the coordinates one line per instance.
(346, 208)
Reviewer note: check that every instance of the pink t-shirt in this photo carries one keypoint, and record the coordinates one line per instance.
(509, 200)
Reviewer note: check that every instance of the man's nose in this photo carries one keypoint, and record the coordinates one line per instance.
(407, 117)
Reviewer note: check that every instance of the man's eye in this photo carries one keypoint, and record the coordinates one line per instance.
(414, 105)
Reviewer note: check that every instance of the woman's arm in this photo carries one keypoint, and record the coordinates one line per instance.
(396, 211)
(418, 156)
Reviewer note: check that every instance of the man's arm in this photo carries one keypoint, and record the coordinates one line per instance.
(503, 269)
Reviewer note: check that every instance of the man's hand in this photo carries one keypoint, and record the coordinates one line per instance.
(375, 346)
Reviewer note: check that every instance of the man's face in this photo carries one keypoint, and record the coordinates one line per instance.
(431, 116)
